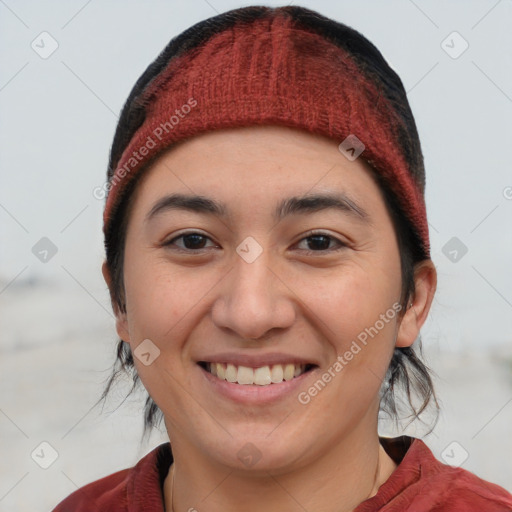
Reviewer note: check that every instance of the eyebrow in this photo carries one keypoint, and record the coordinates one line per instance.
(310, 203)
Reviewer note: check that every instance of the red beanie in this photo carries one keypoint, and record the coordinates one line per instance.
(273, 70)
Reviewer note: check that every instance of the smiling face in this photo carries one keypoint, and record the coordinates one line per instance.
(262, 256)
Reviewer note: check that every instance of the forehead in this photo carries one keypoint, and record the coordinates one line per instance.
(254, 166)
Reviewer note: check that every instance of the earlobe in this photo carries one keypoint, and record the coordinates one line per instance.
(121, 320)
(122, 327)
(425, 279)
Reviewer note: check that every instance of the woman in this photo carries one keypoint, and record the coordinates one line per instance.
(268, 262)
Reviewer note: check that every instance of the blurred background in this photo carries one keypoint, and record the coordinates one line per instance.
(66, 69)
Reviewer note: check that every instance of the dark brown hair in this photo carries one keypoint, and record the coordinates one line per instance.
(407, 375)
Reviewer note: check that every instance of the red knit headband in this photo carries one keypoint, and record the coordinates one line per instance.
(270, 72)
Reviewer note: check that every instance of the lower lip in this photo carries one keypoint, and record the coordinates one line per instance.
(254, 394)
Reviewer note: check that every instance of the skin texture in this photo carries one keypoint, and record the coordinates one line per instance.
(202, 298)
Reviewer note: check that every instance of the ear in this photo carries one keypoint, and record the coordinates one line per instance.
(121, 320)
(418, 307)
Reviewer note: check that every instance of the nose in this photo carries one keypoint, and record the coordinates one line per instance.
(253, 300)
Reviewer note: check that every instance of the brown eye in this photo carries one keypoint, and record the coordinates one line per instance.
(321, 242)
(190, 241)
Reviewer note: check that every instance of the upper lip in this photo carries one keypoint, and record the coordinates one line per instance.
(256, 361)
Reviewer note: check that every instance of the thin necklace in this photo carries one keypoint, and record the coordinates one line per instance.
(367, 497)
(375, 478)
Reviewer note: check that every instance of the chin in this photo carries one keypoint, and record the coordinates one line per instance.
(259, 453)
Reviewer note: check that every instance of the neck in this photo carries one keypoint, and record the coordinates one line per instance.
(338, 481)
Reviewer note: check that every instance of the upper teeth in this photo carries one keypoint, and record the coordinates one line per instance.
(262, 376)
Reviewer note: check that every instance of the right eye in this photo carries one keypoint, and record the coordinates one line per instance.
(192, 241)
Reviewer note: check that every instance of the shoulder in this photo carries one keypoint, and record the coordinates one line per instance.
(108, 493)
(138, 486)
(459, 489)
(422, 483)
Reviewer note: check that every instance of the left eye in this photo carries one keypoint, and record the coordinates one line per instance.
(320, 242)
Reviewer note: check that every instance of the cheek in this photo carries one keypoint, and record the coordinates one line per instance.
(357, 310)
(359, 319)
(349, 300)
(157, 296)
(167, 305)
(162, 302)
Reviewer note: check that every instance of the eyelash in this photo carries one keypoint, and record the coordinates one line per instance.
(310, 234)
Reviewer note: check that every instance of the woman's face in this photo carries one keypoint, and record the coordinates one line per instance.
(261, 247)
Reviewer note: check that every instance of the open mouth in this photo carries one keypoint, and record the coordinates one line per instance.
(262, 376)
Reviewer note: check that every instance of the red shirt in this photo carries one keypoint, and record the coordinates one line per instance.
(420, 483)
